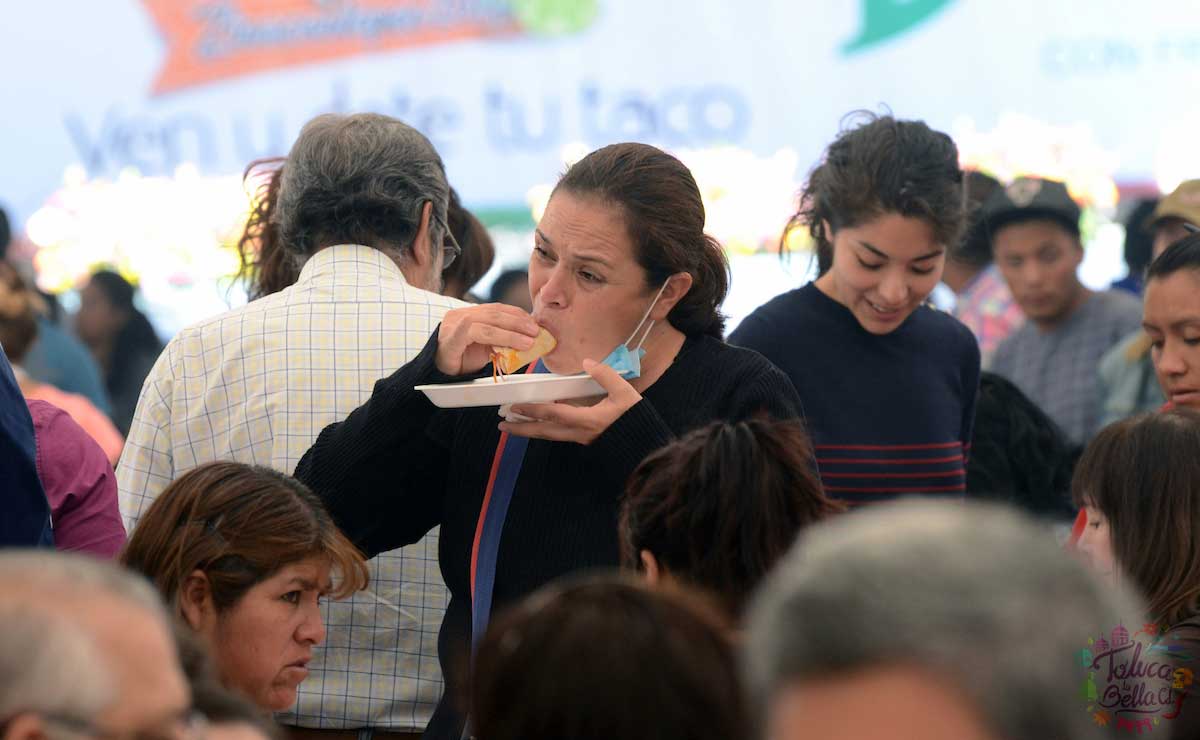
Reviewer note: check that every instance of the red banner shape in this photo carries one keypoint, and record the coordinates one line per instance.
(208, 40)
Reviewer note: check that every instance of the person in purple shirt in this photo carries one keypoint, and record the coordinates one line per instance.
(79, 484)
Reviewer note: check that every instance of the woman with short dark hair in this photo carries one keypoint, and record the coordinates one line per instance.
(620, 250)
(716, 509)
(607, 658)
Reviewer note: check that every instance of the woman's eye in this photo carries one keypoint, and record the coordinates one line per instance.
(589, 277)
(292, 597)
(922, 271)
(870, 266)
(1094, 525)
(1191, 341)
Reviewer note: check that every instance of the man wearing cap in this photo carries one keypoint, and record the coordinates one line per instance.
(1054, 357)
(1126, 371)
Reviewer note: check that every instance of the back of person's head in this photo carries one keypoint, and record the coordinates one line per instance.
(508, 281)
(118, 291)
(478, 252)
(265, 266)
(18, 314)
(975, 249)
(1018, 453)
(1182, 255)
(1139, 239)
(660, 202)
(606, 657)
(719, 507)
(879, 165)
(1143, 474)
(5, 234)
(86, 647)
(238, 524)
(974, 602)
(359, 179)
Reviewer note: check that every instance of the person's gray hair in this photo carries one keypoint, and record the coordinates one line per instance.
(978, 594)
(359, 179)
(48, 663)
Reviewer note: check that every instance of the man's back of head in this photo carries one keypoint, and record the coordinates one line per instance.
(975, 607)
(86, 647)
(362, 179)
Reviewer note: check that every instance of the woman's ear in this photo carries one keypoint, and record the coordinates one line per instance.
(650, 570)
(196, 603)
(677, 287)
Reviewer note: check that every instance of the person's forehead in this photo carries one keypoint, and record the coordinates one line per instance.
(1030, 235)
(1173, 299)
(310, 571)
(907, 702)
(585, 225)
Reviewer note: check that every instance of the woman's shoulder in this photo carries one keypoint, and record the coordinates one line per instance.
(708, 355)
(935, 325)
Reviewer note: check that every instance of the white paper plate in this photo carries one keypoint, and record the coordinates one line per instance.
(536, 388)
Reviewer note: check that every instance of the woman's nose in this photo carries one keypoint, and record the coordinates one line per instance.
(311, 629)
(1170, 359)
(894, 290)
(554, 291)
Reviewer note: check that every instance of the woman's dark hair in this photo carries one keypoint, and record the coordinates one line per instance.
(1139, 240)
(1182, 255)
(882, 165)
(478, 252)
(664, 218)
(239, 524)
(18, 314)
(1143, 474)
(604, 658)
(720, 506)
(136, 335)
(975, 249)
(1018, 454)
(265, 266)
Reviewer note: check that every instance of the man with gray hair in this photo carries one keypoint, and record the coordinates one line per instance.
(362, 209)
(86, 649)
(927, 620)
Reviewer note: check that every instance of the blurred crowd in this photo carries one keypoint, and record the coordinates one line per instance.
(853, 515)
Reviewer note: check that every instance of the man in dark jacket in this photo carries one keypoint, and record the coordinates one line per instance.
(24, 513)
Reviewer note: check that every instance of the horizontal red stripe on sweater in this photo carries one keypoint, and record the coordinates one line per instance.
(942, 474)
(897, 489)
(887, 461)
(931, 446)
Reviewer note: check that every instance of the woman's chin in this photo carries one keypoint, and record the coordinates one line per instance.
(562, 365)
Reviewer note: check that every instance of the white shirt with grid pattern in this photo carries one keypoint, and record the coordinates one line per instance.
(257, 385)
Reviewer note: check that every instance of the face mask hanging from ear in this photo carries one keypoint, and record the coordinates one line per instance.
(627, 362)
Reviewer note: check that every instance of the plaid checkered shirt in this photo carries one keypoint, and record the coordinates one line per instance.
(257, 385)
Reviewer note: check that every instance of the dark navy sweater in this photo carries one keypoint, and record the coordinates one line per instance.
(889, 414)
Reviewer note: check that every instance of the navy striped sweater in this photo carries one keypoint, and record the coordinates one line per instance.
(890, 415)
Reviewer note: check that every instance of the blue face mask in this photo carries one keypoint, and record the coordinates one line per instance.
(628, 362)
